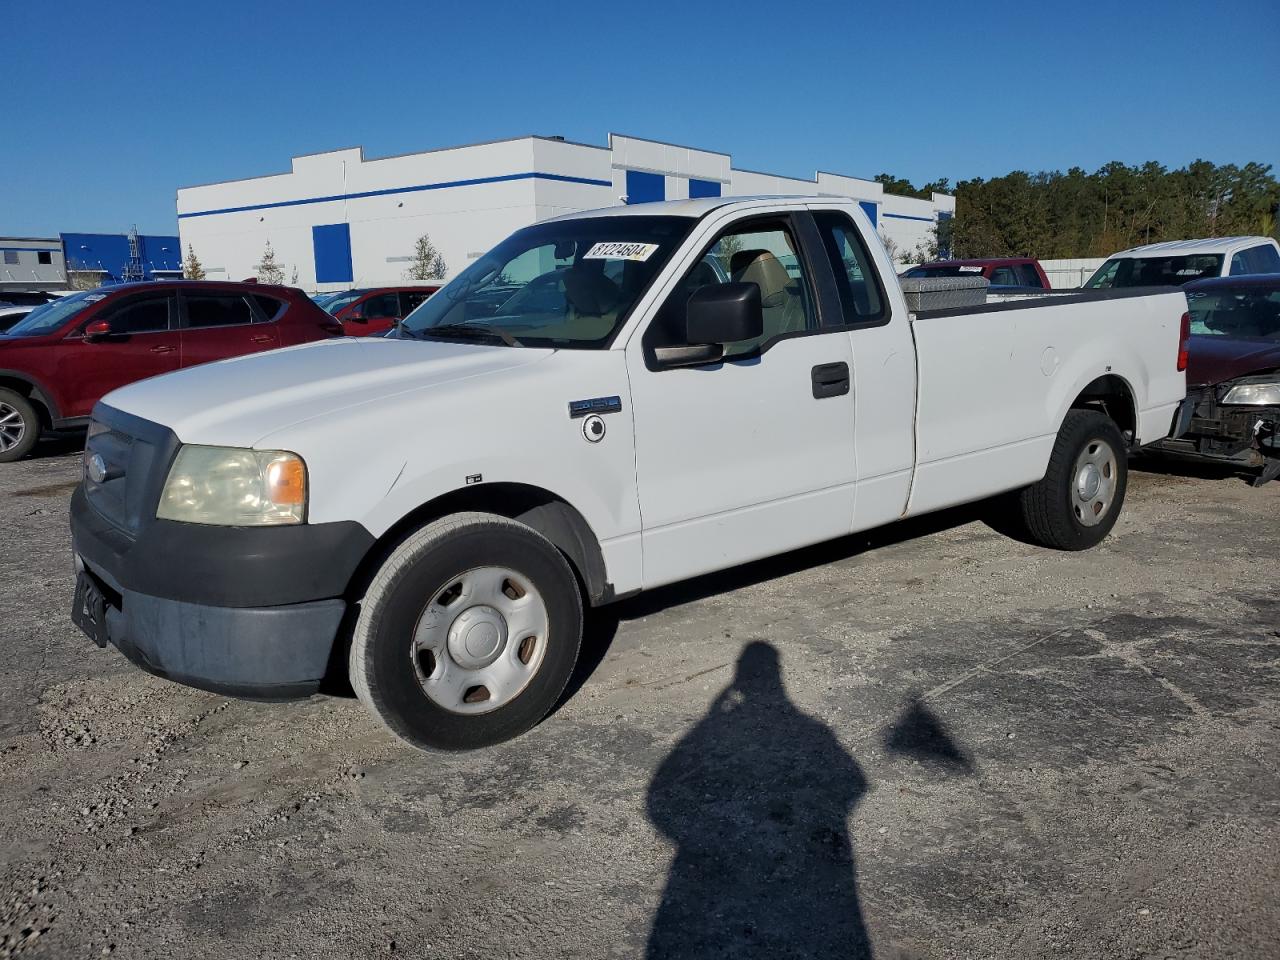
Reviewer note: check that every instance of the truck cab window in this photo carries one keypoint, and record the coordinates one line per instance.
(861, 299)
(763, 254)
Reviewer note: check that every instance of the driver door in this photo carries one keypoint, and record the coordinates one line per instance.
(752, 455)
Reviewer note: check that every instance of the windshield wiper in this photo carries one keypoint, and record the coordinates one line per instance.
(467, 331)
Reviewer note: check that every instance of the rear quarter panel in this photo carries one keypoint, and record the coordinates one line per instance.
(994, 387)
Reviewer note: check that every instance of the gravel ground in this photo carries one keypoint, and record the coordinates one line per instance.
(933, 741)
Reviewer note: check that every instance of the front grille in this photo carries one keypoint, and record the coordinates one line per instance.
(110, 497)
(136, 454)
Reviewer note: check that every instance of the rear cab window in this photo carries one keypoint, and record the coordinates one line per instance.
(862, 299)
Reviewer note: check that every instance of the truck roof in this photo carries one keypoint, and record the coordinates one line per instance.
(689, 208)
(1182, 248)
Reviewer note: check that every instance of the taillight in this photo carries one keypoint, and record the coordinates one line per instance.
(1184, 345)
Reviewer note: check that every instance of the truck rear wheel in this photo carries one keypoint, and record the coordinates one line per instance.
(1077, 503)
(468, 633)
(19, 426)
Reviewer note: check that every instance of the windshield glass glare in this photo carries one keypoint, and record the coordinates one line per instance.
(1155, 271)
(50, 316)
(333, 302)
(567, 283)
(1250, 314)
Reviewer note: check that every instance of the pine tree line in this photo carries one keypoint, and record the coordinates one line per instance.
(1077, 214)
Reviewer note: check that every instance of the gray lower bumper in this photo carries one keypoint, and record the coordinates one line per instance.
(270, 653)
(1182, 419)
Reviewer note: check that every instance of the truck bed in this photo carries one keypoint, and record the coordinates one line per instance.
(994, 382)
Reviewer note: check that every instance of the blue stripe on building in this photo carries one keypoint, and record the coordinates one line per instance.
(390, 191)
(904, 216)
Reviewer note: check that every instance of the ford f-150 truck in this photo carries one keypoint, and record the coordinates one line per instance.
(714, 381)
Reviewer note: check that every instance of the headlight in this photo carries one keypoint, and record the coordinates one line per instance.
(228, 486)
(1255, 392)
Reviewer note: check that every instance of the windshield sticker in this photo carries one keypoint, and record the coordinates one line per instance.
(970, 269)
(95, 297)
(617, 250)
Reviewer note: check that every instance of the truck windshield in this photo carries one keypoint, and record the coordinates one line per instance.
(1155, 271)
(567, 283)
(52, 315)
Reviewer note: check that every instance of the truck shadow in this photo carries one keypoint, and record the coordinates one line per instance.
(756, 798)
(602, 623)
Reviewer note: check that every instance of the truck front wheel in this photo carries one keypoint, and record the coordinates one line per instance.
(1077, 503)
(468, 633)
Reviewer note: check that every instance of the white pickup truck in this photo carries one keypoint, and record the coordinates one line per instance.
(605, 403)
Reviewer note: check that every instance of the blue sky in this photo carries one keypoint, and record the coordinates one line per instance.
(109, 109)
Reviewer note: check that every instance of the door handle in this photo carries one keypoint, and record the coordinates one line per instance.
(830, 380)
(162, 349)
(259, 339)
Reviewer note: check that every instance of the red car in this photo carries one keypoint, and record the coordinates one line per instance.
(999, 271)
(66, 355)
(372, 310)
(1233, 375)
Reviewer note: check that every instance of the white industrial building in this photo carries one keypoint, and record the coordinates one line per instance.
(340, 220)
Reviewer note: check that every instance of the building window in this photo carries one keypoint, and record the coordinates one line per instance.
(645, 187)
(11, 257)
(44, 257)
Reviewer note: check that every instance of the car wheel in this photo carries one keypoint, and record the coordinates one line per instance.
(19, 426)
(468, 633)
(1077, 503)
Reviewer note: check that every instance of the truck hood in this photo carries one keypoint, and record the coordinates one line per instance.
(237, 402)
(1216, 359)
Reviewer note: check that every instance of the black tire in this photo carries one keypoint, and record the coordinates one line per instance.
(1052, 512)
(382, 667)
(28, 432)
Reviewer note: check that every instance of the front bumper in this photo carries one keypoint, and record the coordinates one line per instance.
(231, 610)
(1205, 429)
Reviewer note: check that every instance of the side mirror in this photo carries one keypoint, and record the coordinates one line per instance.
(717, 314)
(98, 330)
(357, 315)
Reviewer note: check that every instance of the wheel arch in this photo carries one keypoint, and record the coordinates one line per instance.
(551, 515)
(31, 389)
(1112, 395)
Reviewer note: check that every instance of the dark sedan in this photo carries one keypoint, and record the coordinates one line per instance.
(1234, 373)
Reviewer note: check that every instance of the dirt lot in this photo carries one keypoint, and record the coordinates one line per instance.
(931, 742)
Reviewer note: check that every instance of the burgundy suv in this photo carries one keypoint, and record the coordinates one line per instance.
(64, 356)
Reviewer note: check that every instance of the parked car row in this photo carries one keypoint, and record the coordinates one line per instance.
(368, 312)
(64, 356)
(58, 358)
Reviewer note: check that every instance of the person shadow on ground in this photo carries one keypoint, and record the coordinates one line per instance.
(757, 799)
